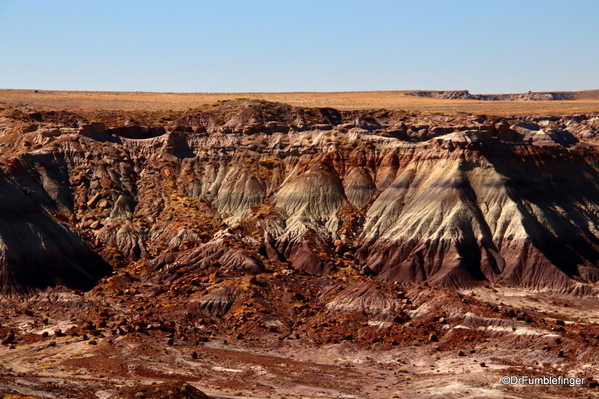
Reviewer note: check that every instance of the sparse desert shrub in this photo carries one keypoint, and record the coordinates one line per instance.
(269, 162)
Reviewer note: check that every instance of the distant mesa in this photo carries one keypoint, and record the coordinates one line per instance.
(465, 95)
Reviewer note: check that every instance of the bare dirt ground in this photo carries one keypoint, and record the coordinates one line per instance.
(467, 361)
(87, 100)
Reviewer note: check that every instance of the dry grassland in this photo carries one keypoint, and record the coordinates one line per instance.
(87, 100)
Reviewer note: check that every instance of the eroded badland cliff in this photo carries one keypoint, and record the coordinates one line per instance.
(173, 242)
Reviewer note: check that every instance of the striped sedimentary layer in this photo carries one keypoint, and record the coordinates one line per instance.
(518, 215)
(454, 202)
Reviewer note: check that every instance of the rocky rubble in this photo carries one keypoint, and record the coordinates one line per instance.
(161, 391)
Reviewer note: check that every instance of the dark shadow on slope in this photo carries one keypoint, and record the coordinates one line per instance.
(37, 252)
(557, 182)
(44, 173)
(494, 266)
(177, 145)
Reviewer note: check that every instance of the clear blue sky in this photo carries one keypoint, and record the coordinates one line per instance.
(499, 46)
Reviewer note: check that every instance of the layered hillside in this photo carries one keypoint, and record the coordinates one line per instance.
(247, 186)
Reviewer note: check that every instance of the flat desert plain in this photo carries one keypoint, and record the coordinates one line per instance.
(584, 102)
